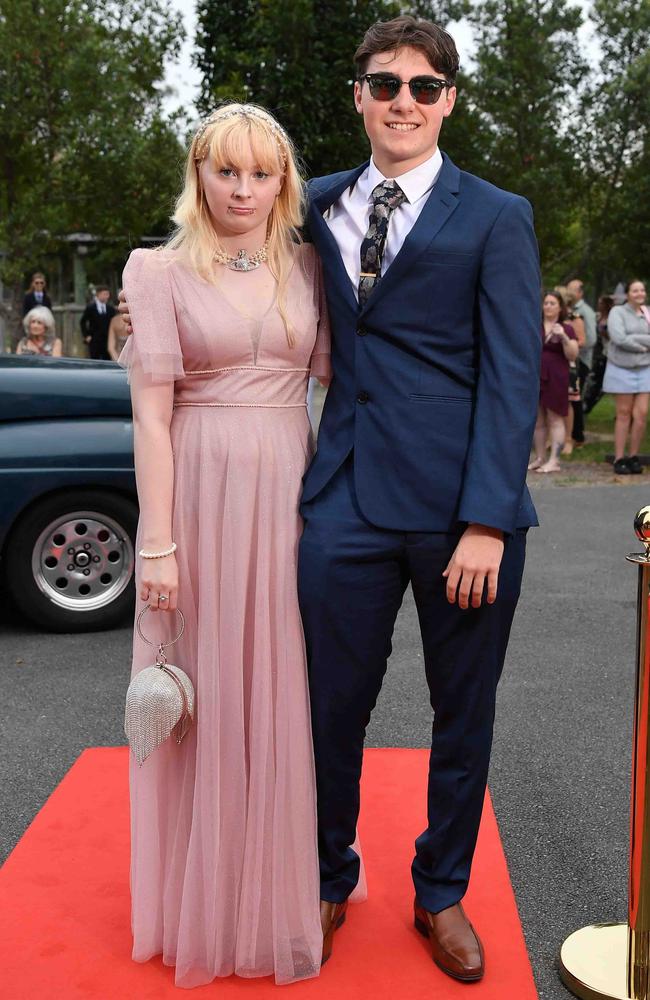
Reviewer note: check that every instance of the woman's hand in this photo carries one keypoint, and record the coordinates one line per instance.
(159, 578)
(559, 330)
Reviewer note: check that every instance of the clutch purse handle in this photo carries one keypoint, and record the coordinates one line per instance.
(161, 658)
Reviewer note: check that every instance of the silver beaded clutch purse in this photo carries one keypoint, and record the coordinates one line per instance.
(159, 700)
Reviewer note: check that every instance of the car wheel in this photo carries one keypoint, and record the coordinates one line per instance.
(70, 561)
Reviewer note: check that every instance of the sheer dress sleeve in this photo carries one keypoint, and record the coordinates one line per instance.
(320, 365)
(154, 346)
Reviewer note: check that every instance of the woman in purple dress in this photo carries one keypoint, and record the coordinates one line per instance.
(559, 349)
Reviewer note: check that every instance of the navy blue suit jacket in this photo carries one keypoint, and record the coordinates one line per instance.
(436, 378)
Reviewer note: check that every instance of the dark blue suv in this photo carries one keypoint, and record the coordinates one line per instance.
(68, 505)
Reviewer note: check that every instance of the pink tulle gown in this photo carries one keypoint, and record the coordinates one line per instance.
(224, 867)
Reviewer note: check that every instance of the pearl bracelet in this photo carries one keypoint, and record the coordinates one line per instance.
(157, 555)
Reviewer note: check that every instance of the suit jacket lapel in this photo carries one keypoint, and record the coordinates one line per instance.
(440, 204)
(324, 241)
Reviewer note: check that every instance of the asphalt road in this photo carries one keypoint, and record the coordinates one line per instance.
(561, 761)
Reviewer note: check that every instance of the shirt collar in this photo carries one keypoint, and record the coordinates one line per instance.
(414, 183)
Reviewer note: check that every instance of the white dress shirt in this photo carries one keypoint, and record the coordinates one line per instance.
(348, 218)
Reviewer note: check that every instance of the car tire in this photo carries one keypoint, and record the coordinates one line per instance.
(69, 563)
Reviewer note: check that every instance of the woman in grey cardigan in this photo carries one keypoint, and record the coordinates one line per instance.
(627, 374)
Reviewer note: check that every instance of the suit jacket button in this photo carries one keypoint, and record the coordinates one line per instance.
(361, 331)
(363, 397)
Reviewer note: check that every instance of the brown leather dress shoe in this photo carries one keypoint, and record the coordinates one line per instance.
(332, 916)
(455, 946)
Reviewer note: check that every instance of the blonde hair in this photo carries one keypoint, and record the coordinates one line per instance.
(44, 316)
(226, 137)
(568, 296)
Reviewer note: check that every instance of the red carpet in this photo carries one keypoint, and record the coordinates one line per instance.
(64, 903)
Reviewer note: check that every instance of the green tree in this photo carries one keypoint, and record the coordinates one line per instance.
(528, 70)
(227, 53)
(84, 144)
(615, 139)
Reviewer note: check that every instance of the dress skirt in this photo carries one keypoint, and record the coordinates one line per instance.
(224, 872)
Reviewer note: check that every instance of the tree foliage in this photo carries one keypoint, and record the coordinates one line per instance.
(615, 127)
(84, 145)
(529, 69)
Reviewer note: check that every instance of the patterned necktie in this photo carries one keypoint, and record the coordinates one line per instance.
(385, 197)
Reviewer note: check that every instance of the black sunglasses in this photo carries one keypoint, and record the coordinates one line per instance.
(386, 87)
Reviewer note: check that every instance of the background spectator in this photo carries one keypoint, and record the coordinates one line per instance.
(40, 334)
(582, 309)
(573, 421)
(627, 375)
(594, 388)
(117, 336)
(95, 321)
(36, 294)
(559, 349)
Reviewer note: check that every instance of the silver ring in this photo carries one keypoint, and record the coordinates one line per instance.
(162, 597)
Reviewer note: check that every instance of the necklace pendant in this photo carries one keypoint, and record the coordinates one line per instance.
(242, 262)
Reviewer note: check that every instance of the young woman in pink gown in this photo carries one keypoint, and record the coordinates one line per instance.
(224, 867)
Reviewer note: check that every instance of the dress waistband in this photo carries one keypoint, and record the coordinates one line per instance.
(243, 386)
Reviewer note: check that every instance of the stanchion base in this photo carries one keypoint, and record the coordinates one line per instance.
(593, 962)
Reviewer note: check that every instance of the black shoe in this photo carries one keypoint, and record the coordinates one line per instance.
(634, 465)
(621, 468)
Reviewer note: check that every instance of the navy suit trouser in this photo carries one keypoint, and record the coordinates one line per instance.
(352, 577)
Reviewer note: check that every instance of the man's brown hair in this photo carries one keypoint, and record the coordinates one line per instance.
(389, 36)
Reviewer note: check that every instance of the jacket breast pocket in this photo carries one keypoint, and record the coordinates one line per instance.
(447, 258)
(424, 397)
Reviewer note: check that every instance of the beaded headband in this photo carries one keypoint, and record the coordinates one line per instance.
(245, 111)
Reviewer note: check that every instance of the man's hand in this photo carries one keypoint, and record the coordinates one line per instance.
(123, 310)
(476, 560)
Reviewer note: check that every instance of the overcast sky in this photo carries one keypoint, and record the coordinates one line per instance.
(184, 78)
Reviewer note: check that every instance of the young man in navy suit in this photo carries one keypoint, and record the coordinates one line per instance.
(420, 475)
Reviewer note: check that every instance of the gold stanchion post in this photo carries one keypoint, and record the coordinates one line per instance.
(612, 961)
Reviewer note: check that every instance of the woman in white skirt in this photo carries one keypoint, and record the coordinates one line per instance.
(627, 375)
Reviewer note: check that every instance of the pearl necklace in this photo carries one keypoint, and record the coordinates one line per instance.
(242, 262)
